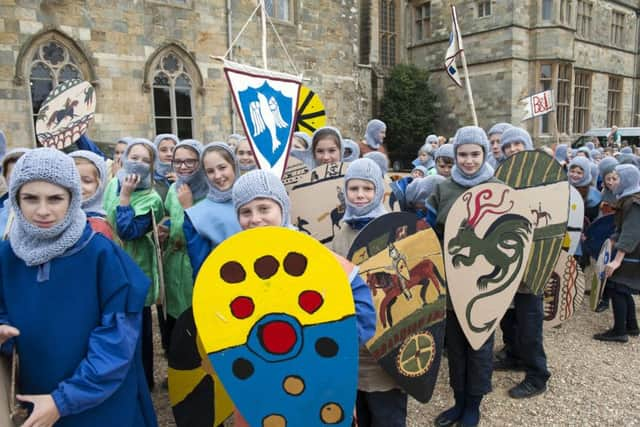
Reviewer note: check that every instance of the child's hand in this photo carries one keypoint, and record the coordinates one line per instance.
(610, 268)
(7, 332)
(129, 185)
(185, 197)
(163, 233)
(45, 412)
(171, 176)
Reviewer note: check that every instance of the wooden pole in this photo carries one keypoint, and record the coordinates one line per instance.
(264, 34)
(463, 57)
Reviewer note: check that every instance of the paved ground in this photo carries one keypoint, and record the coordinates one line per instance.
(592, 383)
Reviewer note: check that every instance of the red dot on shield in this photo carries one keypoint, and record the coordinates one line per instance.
(242, 307)
(278, 337)
(310, 301)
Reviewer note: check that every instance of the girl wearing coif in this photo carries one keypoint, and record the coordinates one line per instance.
(244, 154)
(93, 180)
(623, 270)
(379, 402)
(260, 200)
(496, 156)
(469, 370)
(189, 189)
(609, 179)
(374, 137)
(130, 202)
(84, 368)
(579, 173)
(163, 174)
(212, 220)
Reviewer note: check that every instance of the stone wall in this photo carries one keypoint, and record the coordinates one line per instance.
(119, 37)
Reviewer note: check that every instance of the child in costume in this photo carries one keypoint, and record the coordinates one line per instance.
(8, 162)
(418, 191)
(301, 141)
(623, 270)
(132, 205)
(350, 150)
(374, 137)
(326, 146)
(379, 400)
(244, 154)
(260, 200)
(118, 150)
(469, 370)
(163, 174)
(522, 325)
(425, 154)
(609, 178)
(84, 368)
(495, 135)
(380, 159)
(579, 173)
(93, 179)
(444, 160)
(212, 220)
(189, 189)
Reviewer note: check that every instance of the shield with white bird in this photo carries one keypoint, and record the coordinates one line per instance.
(267, 104)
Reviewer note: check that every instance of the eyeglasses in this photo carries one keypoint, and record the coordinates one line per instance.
(189, 163)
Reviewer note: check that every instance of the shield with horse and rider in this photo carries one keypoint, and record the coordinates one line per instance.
(487, 241)
(65, 114)
(545, 182)
(400, 259)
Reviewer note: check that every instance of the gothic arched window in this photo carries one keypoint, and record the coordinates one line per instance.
(172, 97)
(51, 64)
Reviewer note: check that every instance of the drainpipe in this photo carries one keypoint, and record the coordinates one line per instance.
(229, 40)
(636, 71)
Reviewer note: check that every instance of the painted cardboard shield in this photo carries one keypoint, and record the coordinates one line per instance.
(599, 280)
(276, 316)
(311, 114)
(487, 240)
(564, 291)
(400, 259)
(318, 201)
(267, 103)
(575, 223)
(295, 171)
(66, 113)
(547, 189)
(599, 231)
(196, 394)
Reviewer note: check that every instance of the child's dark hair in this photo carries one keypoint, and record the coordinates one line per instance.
(323, 134)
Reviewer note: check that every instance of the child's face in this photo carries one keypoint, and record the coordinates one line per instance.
(513, 148)
(165, 150)
(576, 174)
(185, 161)
(469, 158)
(423, 156)
(444, 167)
(219, 172)
(326, 151)
(119, 151)
(244, 154)
(88, 179)
(494, 141)
(260, 212)
(360, 192)
(139, 153)
(299, 144)
(611, 180)
(43, 204)
(417, 173)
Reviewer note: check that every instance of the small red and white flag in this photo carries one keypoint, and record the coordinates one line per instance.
(537, 104)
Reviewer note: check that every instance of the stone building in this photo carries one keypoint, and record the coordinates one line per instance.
(587, 51)
(150, 61)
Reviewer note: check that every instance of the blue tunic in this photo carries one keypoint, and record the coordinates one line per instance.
(206, 225)
(79, 317)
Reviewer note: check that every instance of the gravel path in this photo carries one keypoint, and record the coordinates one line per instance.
(592, 383)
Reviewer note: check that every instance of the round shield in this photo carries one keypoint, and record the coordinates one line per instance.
(311, 114)
(599, 280)
(66, 113)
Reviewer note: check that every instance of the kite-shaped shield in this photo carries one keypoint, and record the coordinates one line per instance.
(267, 103)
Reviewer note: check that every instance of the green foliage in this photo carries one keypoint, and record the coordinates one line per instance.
(408, 109)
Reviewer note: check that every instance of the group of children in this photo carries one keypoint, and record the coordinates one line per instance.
(81, 249)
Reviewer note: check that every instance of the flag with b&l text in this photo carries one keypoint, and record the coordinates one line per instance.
(537, 104)
(267, 104)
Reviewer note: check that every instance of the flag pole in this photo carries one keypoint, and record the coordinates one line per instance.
(264, 34)
(467, 82)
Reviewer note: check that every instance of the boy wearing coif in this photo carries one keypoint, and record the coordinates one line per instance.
(379, 402)
(469, 370)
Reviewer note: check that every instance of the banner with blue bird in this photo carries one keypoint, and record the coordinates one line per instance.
(267, 103)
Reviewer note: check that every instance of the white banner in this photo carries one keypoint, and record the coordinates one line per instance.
(538, 104)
